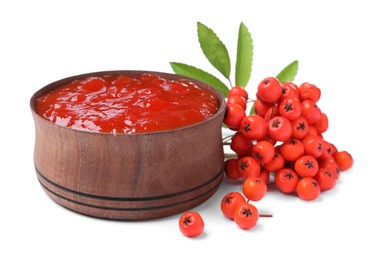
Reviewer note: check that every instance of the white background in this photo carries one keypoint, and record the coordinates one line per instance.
(338, 45)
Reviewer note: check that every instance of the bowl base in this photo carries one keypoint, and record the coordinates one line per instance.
(121, 208)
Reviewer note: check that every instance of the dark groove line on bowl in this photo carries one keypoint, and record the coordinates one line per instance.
(220, 173)
(132, 209)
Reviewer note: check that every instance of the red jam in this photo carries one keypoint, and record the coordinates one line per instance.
(122, 104)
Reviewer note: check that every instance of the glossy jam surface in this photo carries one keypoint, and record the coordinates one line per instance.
(122, 104)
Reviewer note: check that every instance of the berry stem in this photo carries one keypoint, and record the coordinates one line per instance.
(230, 155)
(228, 137)
(265, 215)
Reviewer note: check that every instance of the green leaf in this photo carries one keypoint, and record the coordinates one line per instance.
(244, 56)
(288, 73)
(214, 50)
(198, 74)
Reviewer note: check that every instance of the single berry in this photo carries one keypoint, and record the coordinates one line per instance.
(326, 179)
(309, 91)
(344, 160)
(238, 91)
(233, 116)
(310, 111)
(246, 216)
(230, 167)
(327, 150)
(289, 90)
(292, 149)
(191, 224)
(237, 100)
(240, 144)
(248, 167)
(254, 188)
(313, 145)
(308, 189)
(306, 166)
(276, 164)
(261, 107)
(263, 152)
(290, 108)
(264, 175)
(322, 123)
(286, 180)
(269, 90)
(253, 127)
(279, 128)
(300, 128)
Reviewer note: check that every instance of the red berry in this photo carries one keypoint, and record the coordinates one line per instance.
(238, 91)
(276, 164)
(261, 107)
(310, 111)
(306, 166)
(191, 224)
(286, 180)
(272, 112)
(300, 128)
(263, 152)
(344, 160)
(309, 91)
(264, 176)
(230, 167)
(312, 130)
(292, 149)
(269, 90)
(279, 128)
(289, 90)
(331, 165)
(308, 188)
(254, 188)
(253, 127)
(237, 100)
(246, 216)
(322, 123)
(327, 150)
(248, 167)
(290, 108)
(233, 116)
(313, 145)
(326, 179)
(240, 144)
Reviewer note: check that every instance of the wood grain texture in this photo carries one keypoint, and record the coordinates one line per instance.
(129, 177)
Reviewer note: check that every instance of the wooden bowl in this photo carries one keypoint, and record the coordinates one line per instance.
(129, 177)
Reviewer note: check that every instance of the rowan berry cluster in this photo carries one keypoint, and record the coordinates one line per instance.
(283, 139)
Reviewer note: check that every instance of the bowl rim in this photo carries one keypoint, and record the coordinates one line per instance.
(60, 82)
